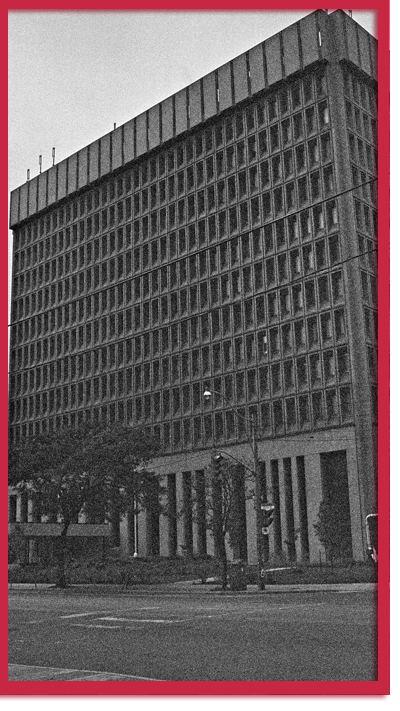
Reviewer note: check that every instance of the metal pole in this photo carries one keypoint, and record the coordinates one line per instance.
(259, 540)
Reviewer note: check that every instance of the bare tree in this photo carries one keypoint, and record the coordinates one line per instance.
(227, 486)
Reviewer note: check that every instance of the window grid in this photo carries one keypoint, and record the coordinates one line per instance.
(148, 259)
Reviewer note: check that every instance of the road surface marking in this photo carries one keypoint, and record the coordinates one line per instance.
(218, 615)
(98, 612)
(101, 627)
(133, 619)
(104, 676)
(79, 614)
(56, 670)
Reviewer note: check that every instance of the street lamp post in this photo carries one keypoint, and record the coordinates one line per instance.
(257, 476)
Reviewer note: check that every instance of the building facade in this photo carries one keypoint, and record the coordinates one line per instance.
(223, 240)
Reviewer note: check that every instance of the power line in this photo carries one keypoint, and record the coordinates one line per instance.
(205, 249)
(317, 272)
(260, 293)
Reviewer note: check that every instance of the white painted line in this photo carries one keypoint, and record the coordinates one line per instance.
(79, 614)
(97, 612)
(117, 619)
(139, 619)
(101, 627)
(103, 676)
(56, 670)
(43, 669)
(346, 592)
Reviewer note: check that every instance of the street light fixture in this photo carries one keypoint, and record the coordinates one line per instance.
(257, 475)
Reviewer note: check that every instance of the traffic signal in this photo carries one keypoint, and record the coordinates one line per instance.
(268, 516)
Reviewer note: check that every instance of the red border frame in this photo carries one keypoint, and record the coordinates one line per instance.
(249, 688)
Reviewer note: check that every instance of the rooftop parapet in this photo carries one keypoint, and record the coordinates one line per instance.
(279, 57)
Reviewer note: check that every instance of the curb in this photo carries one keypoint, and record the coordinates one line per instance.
(194, 589)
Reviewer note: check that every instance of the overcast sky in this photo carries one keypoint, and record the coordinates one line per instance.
(72, 75)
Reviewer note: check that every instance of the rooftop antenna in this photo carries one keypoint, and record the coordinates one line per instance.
(351, 13)
(53, 153)
(115, 126)
(40, 164)
(28, 175)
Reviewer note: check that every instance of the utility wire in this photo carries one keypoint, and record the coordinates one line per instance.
(205, 249)
(207, 311)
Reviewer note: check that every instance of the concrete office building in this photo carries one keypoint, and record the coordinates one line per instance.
(212, 243)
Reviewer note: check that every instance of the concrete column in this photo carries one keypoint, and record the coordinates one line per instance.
(23, 511)
(314, 498)
(142, 552)
(152, 518)
(187, 499)
(115, 527)
(172, 537)
(357, 524)
(12, 508)
(238, 515)
(270, 499)
(179, 508)
(277, 531)
(33, 542)
(282, 496)
(125, 547)
(301, 499)
(289, 505)
(200, 528)
(296, 510)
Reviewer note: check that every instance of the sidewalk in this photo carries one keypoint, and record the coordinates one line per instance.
(193, 587)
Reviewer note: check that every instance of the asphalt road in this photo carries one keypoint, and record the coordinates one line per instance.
(325, 636)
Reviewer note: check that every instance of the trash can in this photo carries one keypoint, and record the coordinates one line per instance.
(237, 576)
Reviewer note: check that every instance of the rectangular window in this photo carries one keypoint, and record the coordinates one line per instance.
(339, 324)
(274, 137)
(298, 126)
(265, 179)
(262, 143)
(274, 342)
(317, 407)
(326, 328)
(276, 169)
(345, 404)
(323, 114)
(302, 187)
(291, 412)
(252, 148)
(337, 286)
(286, 131)
(310, 294)
(300, 158)
(278, 415)
(326, 147)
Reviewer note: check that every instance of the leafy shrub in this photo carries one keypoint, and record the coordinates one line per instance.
(139, 571)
